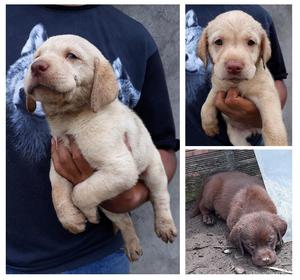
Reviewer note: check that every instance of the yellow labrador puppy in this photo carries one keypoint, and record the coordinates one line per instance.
(78, 90)
(239, 48)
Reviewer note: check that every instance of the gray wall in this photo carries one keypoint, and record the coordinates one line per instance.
(162, 21)
(282, 18)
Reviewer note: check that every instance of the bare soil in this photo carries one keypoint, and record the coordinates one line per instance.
(205, 247)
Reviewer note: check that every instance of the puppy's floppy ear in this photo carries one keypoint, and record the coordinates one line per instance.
(105, 86)
(280, 226)
(30, 104)
(265, 48)
(235, 237)
(202, 50)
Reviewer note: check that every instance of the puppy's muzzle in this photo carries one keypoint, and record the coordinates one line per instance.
(234, 67)
(264, 257)
(38, 68)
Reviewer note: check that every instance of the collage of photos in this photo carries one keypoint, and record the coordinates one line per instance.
(105, 175)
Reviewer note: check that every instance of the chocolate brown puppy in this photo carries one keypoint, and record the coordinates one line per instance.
(249, 212)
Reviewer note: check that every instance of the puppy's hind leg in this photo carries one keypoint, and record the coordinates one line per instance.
(273, 128)
(124, 223)
(156, 180)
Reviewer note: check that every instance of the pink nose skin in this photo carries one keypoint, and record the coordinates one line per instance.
(266, 260)
(39, 67)
(234, 67)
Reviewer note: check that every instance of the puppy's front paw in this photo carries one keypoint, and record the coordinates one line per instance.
(75, 222)
(165, 229)
(209, 120)
(208, 219)
(211, 129)
(133, 250)
(81, 201)
(92, 215)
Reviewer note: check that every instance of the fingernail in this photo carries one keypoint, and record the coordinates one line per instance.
(55, 141)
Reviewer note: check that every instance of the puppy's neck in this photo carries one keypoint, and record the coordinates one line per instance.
(54, 110)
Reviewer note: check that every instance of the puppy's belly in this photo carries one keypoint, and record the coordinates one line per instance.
(238, 132)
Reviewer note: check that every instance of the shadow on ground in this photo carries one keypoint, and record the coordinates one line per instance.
(205, 247)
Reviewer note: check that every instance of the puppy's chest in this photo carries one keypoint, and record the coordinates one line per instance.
(93, 138)
(244, 88)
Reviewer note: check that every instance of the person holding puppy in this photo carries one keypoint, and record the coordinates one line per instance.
(198, 76)
(36, 241)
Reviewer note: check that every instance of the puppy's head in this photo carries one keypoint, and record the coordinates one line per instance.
(68, 72)
(236, 43)
(259, 233)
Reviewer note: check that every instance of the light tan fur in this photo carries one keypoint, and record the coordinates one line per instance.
(79, 99)
(235, 29)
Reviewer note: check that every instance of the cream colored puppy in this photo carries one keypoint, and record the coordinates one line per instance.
(78, 90)
(239, 48)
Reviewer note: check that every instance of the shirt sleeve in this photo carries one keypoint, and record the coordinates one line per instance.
(154, 106)
(276, 63)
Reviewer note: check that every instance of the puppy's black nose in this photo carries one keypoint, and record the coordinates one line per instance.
(39, 67)
(186, 57)
(234, 67)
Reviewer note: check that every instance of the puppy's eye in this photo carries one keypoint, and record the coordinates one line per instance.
(219, 42)
(70, 55)
(251, 43)
(251, 246)
(270, 240)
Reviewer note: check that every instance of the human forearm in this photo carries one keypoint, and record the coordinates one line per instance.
(282, 91)
(139, 194)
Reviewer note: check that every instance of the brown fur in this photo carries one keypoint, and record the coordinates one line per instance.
(249, 212)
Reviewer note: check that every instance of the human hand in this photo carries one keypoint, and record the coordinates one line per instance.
(238, 108)
(128, 200)
(70, 163)
(139, 194)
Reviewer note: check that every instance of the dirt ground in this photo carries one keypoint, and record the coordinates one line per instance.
(205, 247)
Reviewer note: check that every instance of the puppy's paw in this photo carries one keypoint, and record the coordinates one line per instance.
(165, 229)
(82, 203)
(208, 219)
(133, 250)
(74, 223)
(210, 129)
(91, 214)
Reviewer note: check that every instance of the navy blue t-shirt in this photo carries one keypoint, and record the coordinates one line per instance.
(198, 77)
(36, 241)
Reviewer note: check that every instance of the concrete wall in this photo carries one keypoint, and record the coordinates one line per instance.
(162, 21)
(282, 18)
